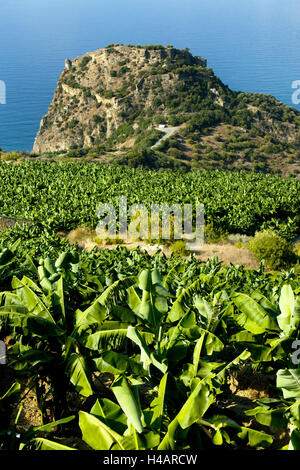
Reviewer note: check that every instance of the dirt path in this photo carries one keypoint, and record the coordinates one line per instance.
(226, 252)
(168, 132)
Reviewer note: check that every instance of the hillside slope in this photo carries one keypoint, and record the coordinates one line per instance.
(115, 99)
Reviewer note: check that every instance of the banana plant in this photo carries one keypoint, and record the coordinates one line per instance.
(268, 330)
(194, 418)
(51, 337)
(175, 331)
(282, 412)
(8, 402)
(289, 318)
(162, 345)
(124, 425)
(110, 425)
(10, 438)
(30, 440)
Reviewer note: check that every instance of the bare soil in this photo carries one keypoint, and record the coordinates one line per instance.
(226, 252)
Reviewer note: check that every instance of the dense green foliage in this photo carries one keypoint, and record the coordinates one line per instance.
(275, 250)
(62, 196)
(169, 332)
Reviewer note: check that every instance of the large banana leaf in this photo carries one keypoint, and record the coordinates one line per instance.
(14, 311)
(128, 402)
(111, 414)
(58, 298)
(195, 406)
(289, 318)
(153, 304)
(193, 409)
(289, 382)
(205, 310)
(96, 313)
(255, 438)
(79, 374)
(40, 443)
(122, 314)
(116, 292)
(42, 327)
(169, 440)
(97, 434)
(157, 405)
(111, 333)
(269, 417)
(211, 342)
(179, 308)
(29, 283)
(188, 321)
(147, 357)
(29, 299)
(197, 353)
(116, 363)
(253, 317)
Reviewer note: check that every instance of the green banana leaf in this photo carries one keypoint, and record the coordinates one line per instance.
(116, 363)
(157, 405)
(289, 318)
(195, 406)
(253, 317)
(96, 313)
(128, 402)
(97, 434)
(30, 300)
(79, 374)
(255, 438)
(110, 333)
(40, 443)
(147, 357)
(289, 382)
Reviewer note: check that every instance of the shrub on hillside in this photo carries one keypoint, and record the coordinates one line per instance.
(275, 250)
(10, 156)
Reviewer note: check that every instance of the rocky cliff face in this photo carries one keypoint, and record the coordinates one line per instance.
(98, 91)
(119, 92)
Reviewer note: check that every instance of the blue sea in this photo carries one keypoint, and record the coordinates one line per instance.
(252, 45)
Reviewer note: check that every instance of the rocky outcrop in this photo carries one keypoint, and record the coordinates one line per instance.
(98, 91)
(68, 64)
(103, 93)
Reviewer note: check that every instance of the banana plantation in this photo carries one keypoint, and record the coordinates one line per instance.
(125, 351)
(120, 350)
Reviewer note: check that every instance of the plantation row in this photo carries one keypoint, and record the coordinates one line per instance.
(163, 337)
(62, 196)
